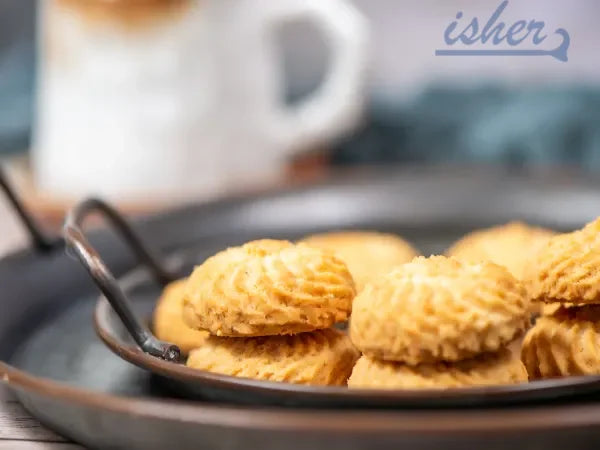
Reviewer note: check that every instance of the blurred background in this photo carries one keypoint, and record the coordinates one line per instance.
(152, 102)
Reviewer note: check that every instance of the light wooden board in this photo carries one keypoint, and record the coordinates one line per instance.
(18, 424)
(29, 445)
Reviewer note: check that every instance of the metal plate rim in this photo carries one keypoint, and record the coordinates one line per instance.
(365, 421)
(371, 421)
(425, 398)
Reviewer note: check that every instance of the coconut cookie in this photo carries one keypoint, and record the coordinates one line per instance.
(366, 253)
(323, 357)
(268, 287)
(493, 369)
(438, 309)
(567, 268)
(564, 343)
(511, 245)
(168, 321)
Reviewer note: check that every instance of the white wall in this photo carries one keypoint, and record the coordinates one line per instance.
(406, 33)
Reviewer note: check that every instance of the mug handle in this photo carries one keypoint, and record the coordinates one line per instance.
(336, 104)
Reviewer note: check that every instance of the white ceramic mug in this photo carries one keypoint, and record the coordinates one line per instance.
(185, 104)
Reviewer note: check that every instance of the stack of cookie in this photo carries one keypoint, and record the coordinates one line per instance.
(566, 276)
(439, 322)
(269, 306)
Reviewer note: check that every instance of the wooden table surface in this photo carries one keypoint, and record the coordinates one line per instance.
(18, 429)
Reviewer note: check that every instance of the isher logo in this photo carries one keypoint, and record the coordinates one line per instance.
(522, 38)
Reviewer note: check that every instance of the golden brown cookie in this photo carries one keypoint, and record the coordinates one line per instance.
(489, 369)
(566, 269)
(168, 321)
(268, 287)
(547, 309)
(512, 245)
(565, 343)
(322, 357)
(366, 253)
(438, 309)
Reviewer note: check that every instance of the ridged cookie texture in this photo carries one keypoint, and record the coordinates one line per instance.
(512, 245)
(322, 357)
(366, 253)
(268, 287)
(548, 309)
(438, 309)
(168, 321)
(490, 369)
(563, 344)
(567, 268)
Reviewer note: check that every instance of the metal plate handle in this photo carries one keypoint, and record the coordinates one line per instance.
(40, 240)
(105, 280)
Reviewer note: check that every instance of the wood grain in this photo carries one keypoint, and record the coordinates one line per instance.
(18, 424)
(28, 445)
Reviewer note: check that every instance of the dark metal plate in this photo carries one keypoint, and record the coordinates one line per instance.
(64, 375)
(191, 383)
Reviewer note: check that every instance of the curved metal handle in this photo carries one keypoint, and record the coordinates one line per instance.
(40, 240)
(105, 280)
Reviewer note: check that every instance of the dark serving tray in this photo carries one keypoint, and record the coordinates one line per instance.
(67, 378)
(142, 292)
